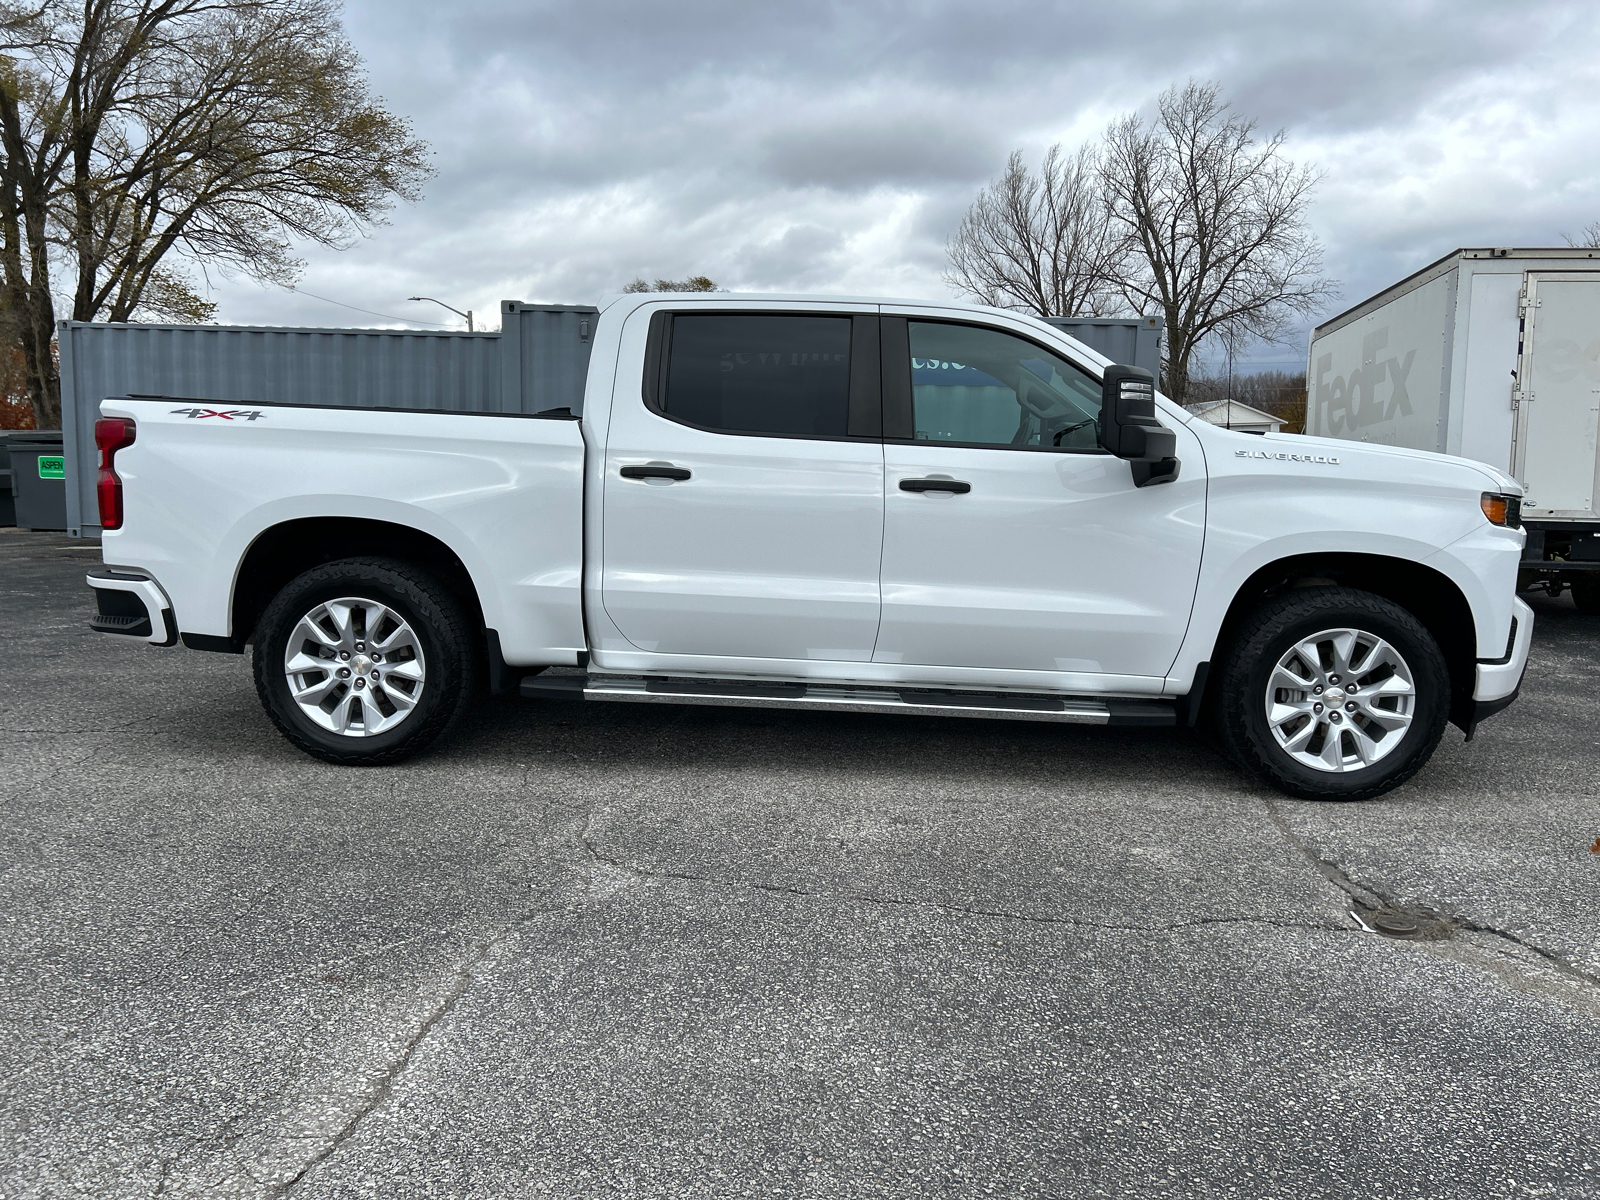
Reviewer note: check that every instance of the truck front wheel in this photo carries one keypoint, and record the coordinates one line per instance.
(364, 661)
(1329, 693)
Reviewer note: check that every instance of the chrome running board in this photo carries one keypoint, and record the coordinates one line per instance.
(922, 702)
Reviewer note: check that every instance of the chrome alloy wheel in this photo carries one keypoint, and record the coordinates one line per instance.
(355, 667)
(1340, 700)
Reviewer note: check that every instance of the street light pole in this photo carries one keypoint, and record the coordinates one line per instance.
(442, 304)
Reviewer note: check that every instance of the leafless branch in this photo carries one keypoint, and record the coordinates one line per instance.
(1042, 243)
(1589, 239)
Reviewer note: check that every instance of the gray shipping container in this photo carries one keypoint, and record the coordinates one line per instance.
(1131, 341)
(538, 361)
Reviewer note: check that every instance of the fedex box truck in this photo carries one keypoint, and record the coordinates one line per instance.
(1494, 355)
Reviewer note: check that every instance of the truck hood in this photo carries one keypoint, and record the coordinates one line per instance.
(1375, 459)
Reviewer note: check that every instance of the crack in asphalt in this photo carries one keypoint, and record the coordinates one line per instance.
(465, 975)
(1558, 962)
(485, 953)
(587, 843)
(468, 971)
(1371, 899)
(1329, 870)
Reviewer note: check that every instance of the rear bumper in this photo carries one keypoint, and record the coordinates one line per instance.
(131, 604)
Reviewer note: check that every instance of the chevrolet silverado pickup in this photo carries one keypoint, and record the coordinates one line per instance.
(828, 504)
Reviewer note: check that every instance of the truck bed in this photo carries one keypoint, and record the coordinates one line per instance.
(224, 478)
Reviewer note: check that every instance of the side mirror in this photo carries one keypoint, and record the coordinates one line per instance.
(1129, 429)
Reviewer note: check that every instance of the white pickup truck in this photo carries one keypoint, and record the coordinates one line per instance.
(828, 504)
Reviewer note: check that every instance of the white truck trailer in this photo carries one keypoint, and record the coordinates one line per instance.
(1494, 355)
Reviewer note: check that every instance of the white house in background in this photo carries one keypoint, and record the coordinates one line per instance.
(1235, 415)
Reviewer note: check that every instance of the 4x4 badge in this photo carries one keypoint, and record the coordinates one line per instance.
(228, 414)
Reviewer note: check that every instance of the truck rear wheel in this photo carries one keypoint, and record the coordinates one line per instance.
(1329, 693)
(364, 661)
(1586, 592)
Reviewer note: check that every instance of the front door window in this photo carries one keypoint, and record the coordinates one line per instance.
(972, 386)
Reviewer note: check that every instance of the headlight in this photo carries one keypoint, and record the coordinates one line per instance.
(1503, 510)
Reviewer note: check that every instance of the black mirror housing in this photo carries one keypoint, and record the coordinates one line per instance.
(1129, 428)
(1127, 411)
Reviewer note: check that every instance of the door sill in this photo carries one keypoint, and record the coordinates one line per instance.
(922, 702)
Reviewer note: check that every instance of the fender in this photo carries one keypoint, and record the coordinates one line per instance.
(243, 535)
(1220, 585)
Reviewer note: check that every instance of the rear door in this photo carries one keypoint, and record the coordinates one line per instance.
(1558, 426)
(743, 503)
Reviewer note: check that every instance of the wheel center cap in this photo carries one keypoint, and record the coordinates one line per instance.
(362, 664)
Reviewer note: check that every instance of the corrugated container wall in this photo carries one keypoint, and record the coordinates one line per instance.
(1132, 341)
(536, 362)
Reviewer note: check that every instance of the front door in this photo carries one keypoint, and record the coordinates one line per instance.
(1041, 555)
(744, 488)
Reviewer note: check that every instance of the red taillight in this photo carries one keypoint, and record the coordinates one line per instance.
(110, 434)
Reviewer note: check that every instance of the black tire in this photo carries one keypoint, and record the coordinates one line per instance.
(1269, 633)
(1586, 592)
(441, 627)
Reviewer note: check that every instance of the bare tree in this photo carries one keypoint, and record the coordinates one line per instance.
(1041, 243)
(136, 135)
(1215, 223)
(1589, 239)
(695, 283)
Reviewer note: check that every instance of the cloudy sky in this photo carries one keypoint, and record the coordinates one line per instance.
(824, 147)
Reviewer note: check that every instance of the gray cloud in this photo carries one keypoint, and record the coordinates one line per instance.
(864, 148)
(834, 146)
(803, 253)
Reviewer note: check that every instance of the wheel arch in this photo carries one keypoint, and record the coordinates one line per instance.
(285, 550)
(1426, 593)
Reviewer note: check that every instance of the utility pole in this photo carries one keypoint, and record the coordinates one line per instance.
(442, 304)
(1227, 413)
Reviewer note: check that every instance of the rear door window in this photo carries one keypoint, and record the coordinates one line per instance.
(760, 373)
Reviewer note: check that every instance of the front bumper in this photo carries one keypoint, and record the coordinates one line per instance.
(1499, 679)
(131, 604)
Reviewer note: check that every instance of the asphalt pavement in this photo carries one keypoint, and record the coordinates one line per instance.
(621, 951)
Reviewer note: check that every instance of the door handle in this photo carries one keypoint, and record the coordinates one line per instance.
(935, 485)
(655, 471)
